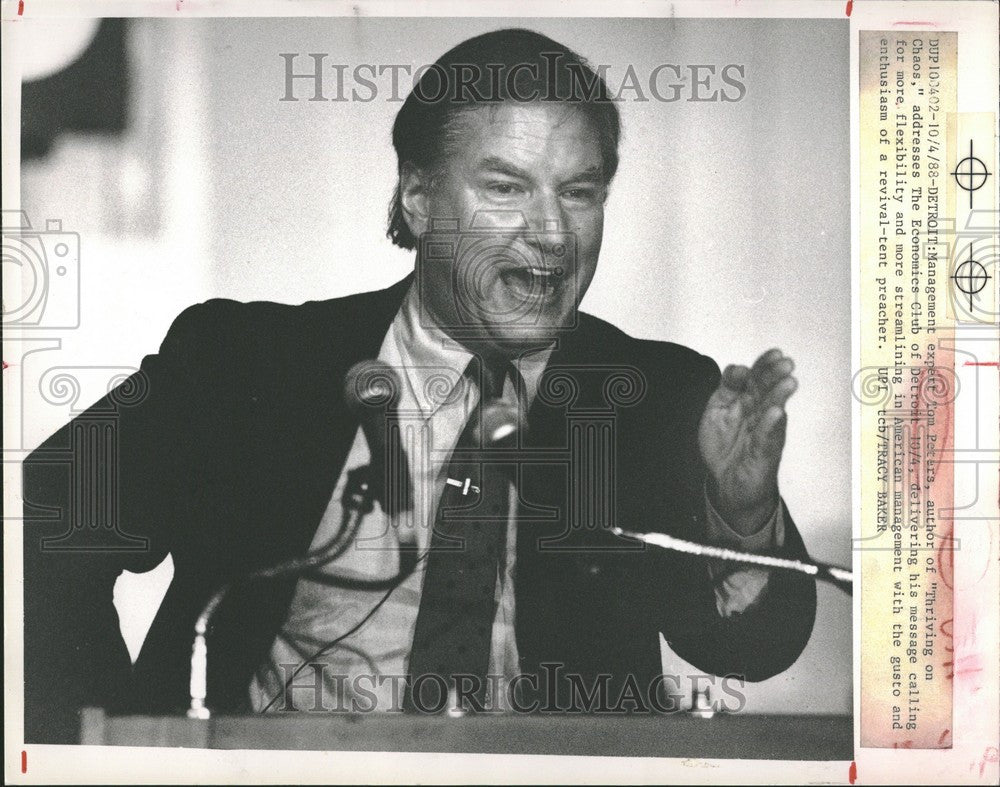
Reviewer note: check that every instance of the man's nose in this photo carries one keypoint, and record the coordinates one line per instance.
(546, 212)
(544, 216)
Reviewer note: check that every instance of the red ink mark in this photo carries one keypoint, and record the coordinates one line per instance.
(6, 365)
(982, 363)
(968, 665)
(946, 560)
(20, 7)
(852, 773)
(947, 629)
(24, 754)
(990, 755)
(943, 735)
(934, 390)
(965, 667)
(850, 7)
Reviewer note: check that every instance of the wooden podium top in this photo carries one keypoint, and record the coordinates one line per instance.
(676, 735)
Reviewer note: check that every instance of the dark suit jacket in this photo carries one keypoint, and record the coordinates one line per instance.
(224, 452)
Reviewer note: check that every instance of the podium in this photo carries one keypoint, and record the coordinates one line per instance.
(676, 735)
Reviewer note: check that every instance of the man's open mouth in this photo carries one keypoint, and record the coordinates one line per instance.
(529, 280)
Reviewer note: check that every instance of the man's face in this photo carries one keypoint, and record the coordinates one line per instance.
(525, 184)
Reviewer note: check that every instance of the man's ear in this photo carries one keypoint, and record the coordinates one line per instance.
(414, 198)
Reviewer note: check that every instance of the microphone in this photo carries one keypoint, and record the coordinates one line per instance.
(371, 391)
(501, 422)
(838, 576)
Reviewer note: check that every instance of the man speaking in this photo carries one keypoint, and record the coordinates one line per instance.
(526, 431)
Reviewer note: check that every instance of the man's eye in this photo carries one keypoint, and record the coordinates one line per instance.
(504, 189)
(580, 194)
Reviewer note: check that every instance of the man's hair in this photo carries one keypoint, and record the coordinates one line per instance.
(504, 65)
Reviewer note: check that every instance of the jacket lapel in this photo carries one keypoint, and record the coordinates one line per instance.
(326, 427)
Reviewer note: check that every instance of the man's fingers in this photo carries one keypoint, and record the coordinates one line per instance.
(735, 377)
(768, 383)
(770, 368)
(771, 430)
(780, 392)
(766, 359)
(731, 387)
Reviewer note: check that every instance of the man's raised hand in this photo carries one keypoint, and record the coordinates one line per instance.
(741, 437)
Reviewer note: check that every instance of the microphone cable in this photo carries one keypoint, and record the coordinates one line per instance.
(350, 632)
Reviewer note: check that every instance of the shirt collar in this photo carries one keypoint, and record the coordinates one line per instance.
(433, 363)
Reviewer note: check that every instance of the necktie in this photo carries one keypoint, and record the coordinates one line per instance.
(451, 643)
